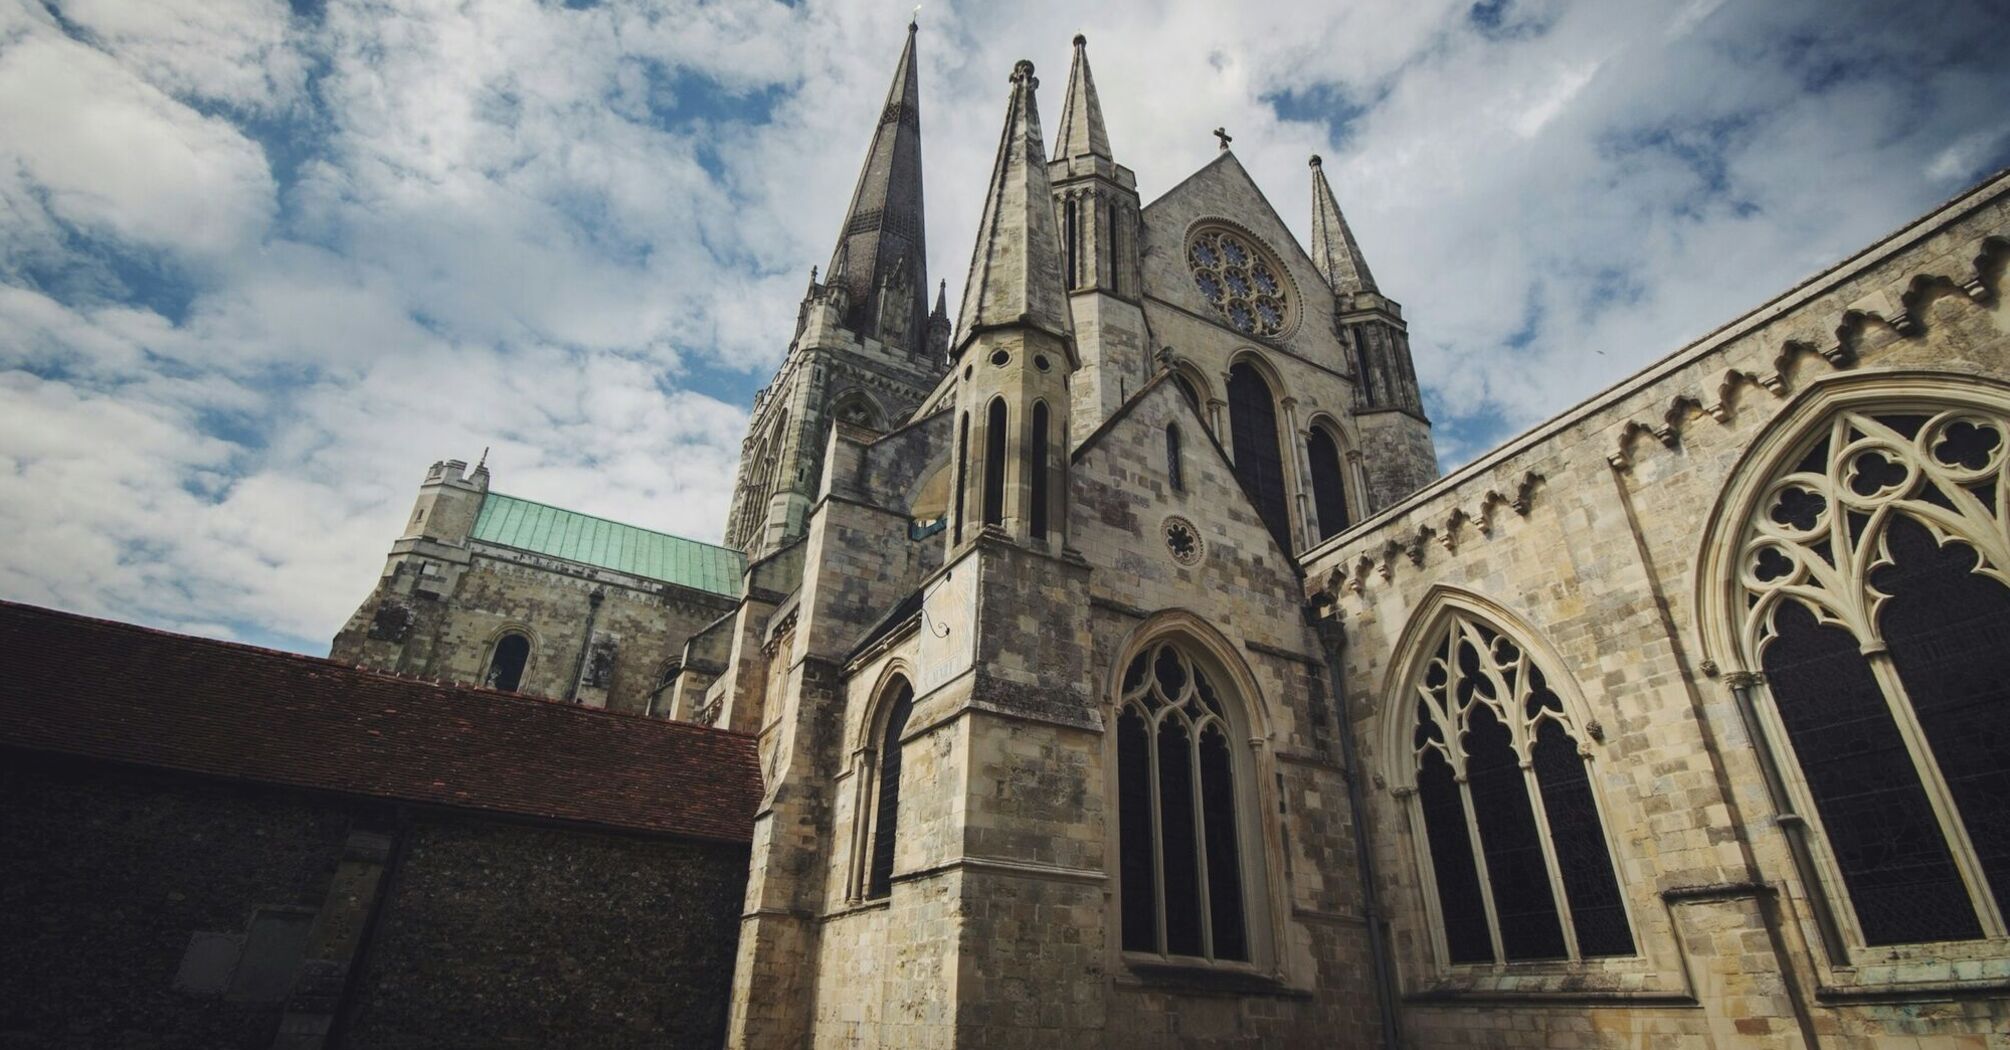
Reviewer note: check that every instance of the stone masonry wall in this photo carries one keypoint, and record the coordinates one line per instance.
(1587, 536)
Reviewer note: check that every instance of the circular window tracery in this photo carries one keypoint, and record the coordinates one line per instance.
(1240, 280)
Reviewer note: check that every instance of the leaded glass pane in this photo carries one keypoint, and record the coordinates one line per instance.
(1949, 635)
(1224, 869)
(1179, 845)
(1452, 865)
(1134, 825)
(1578, 837)
(1881, 829)
(1523, 902)
(886, 819)
(1258, 458)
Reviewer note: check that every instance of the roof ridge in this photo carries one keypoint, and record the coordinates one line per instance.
(26, 610)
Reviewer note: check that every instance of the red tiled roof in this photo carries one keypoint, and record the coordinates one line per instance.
(78, 686)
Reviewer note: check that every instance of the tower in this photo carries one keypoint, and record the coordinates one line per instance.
(1096, 214)
(1015, 347)
(866, 349)
(1399, 458)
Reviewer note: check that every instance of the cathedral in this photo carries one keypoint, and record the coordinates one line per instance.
(1121, 671)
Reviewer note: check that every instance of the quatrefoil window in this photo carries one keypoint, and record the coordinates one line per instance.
(1242, 282)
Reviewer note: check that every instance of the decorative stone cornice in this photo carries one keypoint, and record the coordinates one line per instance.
(1903, 314)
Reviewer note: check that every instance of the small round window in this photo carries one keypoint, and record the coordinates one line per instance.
(1242, 282)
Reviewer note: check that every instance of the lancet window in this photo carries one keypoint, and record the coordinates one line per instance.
(1181, 866)
(1875, 600)
(1329, 489)
(1175, 469)
(1253, 424)
(886, 804)
(1517, 847)
(994, 463)
(507, 661)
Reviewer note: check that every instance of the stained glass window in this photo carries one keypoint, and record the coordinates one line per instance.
(1872, 581)
(1252, 417)
(1238, 281)
(886, 815)
(1498, 762)
(1329, 491)
(1177, 813)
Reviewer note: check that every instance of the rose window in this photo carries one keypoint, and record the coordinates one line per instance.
(1240, 281)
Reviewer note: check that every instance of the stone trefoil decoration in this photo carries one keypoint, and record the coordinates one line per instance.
(1241, 282)
(1825, 527)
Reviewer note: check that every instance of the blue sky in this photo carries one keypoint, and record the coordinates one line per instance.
(261, 263)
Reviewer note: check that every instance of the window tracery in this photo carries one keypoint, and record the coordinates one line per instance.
(1515, 841)
(1873, 594)
(1241, 281)
(1180, 859)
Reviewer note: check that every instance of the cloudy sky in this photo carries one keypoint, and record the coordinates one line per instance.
(260, 264)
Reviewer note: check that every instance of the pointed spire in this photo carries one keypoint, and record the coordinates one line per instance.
(1082, 130)
(1015, 269)
(883, 228)
(1333, 249)
(941, 301)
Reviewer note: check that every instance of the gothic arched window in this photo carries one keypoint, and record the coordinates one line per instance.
(1252, 419)
(962, 469)
(1516, 845)
(1329, 490)
(1180, 863)
(1036, 472)
(886, 806)
(994, 463)
(1873, 582)
(1175, 470)
(507, 661)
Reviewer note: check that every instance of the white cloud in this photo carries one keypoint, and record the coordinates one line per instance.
(257, 269)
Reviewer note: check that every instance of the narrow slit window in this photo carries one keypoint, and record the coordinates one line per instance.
(994, 463)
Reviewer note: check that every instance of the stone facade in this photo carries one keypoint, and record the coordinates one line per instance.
(597, 635)
(1600, 541)
(1167, 445)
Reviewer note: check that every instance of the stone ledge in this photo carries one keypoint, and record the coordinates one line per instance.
(1201, 979)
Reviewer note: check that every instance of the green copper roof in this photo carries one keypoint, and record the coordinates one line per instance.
(542, 529)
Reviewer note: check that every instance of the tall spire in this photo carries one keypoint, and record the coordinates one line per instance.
(1015, 269)
(1082, 130)
(882, 232)
(1333, 249)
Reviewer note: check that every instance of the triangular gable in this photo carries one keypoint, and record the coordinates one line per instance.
(1161, 386)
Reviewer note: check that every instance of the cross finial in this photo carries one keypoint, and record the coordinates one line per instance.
(1224, 136)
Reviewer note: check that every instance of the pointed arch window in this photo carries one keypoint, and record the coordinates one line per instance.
(994, 463)
(1258, 458)
(507, 661)
(1516, 845)
(962, 469)
(1181, 866)
(886, 804)
(1874, 590)
(1329, 488)
(1036, 472)
(1175, 470)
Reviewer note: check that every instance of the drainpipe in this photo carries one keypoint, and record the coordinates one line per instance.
(1795, 826)
(1334, 640)
(585, 640)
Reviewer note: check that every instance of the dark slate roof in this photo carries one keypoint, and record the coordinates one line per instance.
(113, 691)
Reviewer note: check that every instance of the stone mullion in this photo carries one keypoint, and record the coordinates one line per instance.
(1945, 812)
(1556, 888)
(1480, 866)
(1158, 832)
(1294, 458)
(1199, 832)
(865, 770)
